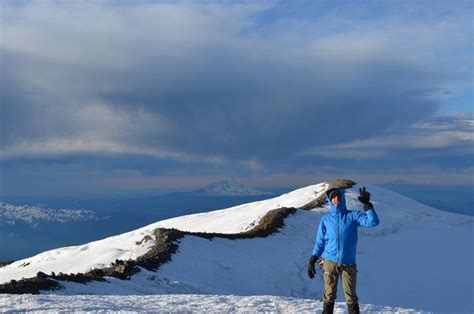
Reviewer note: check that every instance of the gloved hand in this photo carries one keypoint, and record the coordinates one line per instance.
(364, 198)
(311, 268)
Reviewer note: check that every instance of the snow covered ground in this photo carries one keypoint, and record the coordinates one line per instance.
(418, 257)
(100, 254)
(177, 303)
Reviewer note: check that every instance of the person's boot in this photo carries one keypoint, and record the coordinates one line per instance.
(328, 308)
(353, 308)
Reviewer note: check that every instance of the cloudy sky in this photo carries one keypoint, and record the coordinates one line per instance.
(136, 97)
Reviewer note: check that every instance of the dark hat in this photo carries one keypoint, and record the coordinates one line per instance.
(333, 194)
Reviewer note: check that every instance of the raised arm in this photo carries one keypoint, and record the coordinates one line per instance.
(368, 219)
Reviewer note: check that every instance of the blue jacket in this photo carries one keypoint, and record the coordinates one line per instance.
(337, 233)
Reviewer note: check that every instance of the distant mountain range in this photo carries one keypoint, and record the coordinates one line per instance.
(33, 214)
(227, 187)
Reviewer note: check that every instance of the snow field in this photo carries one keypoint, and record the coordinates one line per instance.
(175, 303)
(418, 257)
(400, 261)
(101, 253)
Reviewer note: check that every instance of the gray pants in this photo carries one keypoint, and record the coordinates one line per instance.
(348, 273)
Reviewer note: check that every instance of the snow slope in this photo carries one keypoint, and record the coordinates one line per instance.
(418, 257)
(175, 303)
(100, 254)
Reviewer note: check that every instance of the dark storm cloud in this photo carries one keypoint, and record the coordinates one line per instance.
(261, 109)
(242, 87)
(222, 93)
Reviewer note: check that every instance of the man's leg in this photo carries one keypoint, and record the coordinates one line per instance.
(331, 277)
(349, 282)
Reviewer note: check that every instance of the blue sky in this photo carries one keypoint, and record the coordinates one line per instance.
(136, 97)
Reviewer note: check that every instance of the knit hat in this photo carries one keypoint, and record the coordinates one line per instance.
(333, 194)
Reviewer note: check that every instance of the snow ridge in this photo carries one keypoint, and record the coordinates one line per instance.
(130, 245)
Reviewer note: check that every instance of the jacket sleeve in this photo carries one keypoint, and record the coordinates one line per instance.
(320, 242)
(368, 219)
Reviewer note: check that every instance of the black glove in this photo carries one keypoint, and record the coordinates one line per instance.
(364, 198)
(311, 268)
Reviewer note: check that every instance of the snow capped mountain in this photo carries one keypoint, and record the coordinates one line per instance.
(11, 214)
(227, 187)
(411, 260)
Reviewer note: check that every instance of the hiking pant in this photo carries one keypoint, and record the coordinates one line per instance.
(348, 273)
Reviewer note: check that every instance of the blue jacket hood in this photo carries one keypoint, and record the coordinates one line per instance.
(337, 237)
(341, 208)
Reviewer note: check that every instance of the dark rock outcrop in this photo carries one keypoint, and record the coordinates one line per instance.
(165, 246)
(30, 285)
(268, 224)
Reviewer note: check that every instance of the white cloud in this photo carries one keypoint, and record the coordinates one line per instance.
(444, 132)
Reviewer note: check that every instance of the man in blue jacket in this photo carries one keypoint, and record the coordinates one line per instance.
(336, 245)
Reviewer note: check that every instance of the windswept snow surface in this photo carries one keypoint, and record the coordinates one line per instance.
(418, 257)
(176, 303)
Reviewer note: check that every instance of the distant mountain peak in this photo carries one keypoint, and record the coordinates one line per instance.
(227, 187)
